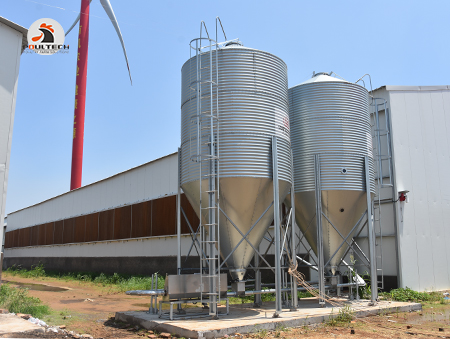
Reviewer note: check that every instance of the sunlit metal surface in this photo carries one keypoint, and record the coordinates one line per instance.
(330, 116)
(253, 106)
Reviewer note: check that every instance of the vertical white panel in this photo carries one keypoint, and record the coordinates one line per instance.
(407, 233)
(139, 184)
(10, 40)
(421, 145)
(154, 175)
(127, 194)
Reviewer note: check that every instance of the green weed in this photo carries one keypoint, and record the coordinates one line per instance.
(407, 294)
(17, 300)
(304, 294)
(262, 333)
(344, 316)
(279, 329)
(120, 282)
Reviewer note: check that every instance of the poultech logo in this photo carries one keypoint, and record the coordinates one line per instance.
(46, 37)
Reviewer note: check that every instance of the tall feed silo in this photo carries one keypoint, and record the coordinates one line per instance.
(252, 102)
(330, 117)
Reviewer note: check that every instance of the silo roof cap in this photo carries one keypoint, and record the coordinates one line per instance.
(322, 77)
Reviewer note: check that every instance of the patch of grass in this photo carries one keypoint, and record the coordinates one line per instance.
(58, 317)
(344, 316)
(120, 282)
(35, 271)
(261, 333)
(279, 329)
(17, 300)
(304, 294)
(407, 294)
(250, 298)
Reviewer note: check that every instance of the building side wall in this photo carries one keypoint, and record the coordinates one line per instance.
(151, 218)
(149, 181)
(11, 42)
(421, 142)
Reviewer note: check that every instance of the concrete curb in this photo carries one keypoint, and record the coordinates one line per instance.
(142, 319)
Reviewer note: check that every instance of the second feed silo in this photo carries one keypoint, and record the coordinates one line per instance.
(253, 106)
(330, 117)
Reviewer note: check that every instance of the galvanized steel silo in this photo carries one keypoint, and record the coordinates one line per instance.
(253, 107)
(330, 117)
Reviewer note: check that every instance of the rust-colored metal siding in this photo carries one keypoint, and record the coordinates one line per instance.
(34, 235)
(41, 235)
(142, 220)
(80, 228)
(164, 216)
(106, 225)
(49, 228)
(149, 218)
(58, 233)
(122, 222)
(190, 214)
(24, 237)
(68, 231)
(91, 227)
(8, 239)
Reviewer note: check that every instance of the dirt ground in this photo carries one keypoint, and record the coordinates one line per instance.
(88, 309)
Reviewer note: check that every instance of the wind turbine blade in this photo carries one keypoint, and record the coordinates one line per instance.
(108, 9)
(76, 21)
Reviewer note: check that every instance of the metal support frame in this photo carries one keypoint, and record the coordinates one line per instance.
(170, 315)
(371, 234)
(276, 223)
(318, 196)
(294, 295)
(257, 302)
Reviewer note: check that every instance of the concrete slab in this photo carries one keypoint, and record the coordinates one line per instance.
(245, 318)
(10, 323)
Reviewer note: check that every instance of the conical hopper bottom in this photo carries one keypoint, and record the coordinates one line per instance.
(342, 207)
(243, 199)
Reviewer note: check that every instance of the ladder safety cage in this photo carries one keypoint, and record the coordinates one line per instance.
(381, 144)
(206, 117)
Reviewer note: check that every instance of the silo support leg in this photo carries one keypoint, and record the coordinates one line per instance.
(276, 225)
(179, 309)
(320, 261)
(371, 233)
(294, 296)
(257, 301)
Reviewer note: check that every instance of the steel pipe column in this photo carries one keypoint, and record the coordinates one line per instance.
(320, 259)
(371, 238)
(276, 225)
(257, 300)
(294, 296)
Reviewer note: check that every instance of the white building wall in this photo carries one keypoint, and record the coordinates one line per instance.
(421, 144)
(159, 246)
(11, 49)
(152, 180)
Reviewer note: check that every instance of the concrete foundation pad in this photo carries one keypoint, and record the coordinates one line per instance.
(10, 323)
(245, 318)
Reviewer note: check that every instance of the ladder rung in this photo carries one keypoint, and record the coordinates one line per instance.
(209, 175)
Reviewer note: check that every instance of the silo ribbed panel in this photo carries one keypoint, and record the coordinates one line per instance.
(332, 119)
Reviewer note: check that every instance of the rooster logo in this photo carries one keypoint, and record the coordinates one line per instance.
(47, 33)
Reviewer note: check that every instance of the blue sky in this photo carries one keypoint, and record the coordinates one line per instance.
(397, 42)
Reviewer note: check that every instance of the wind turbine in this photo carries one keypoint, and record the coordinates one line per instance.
(80, 87)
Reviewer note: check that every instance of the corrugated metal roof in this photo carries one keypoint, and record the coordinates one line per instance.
(94, 183)
(413, 88)
(18, 28)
